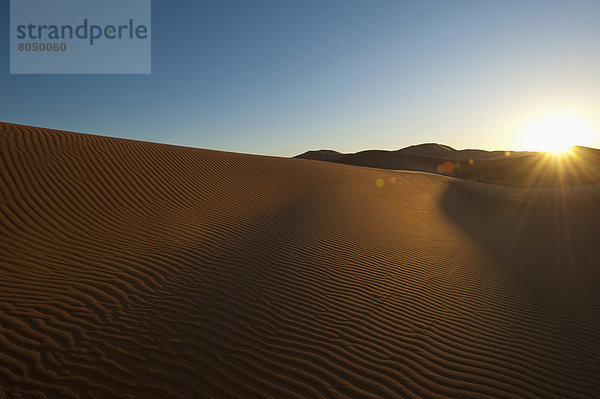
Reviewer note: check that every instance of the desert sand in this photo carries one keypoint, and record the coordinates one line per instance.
(133, 269)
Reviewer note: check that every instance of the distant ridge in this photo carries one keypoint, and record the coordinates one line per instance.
(321, 155)
(512, 168)
(447, 152)
(422, 157)
(427, 149)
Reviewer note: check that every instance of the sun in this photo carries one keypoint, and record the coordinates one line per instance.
(557, 133)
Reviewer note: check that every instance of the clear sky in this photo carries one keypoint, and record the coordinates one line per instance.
(282, 77)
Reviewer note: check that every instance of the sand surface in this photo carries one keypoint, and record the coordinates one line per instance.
(133, 269)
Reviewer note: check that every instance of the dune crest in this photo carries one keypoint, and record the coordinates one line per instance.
(133, 269)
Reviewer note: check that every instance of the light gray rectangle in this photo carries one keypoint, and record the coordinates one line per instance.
(80, 37)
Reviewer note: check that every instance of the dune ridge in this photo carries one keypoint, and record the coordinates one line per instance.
(133, 269)
(580, 165)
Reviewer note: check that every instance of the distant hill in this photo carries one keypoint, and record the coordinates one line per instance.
(580, 166)
(424, 157)
(446, 152)
(519, 168)
(321, 155)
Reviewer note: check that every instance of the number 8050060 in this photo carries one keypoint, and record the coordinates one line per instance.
(42, 46)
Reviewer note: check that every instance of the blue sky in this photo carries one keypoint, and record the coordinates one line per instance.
(283, 77)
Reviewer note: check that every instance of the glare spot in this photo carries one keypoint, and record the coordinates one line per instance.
(393, 179)
(379, 182)
(471, 162)
(508, 153)
(440, 168)
(448, 167)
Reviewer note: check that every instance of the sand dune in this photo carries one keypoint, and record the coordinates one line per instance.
(423, 157)
(429, 150)
(517, 169)
(132, 269)
(580, 166)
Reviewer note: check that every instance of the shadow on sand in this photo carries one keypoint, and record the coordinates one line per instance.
(544, 239)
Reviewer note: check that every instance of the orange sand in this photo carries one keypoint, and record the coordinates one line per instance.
(132, 269)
